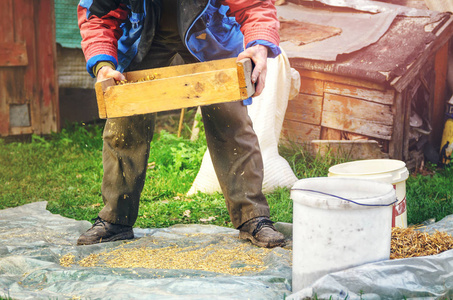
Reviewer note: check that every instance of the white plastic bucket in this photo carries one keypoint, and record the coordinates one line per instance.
(331, 233)
(384, 170)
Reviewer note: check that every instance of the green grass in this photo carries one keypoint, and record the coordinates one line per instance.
(430, 196)
(65, 169)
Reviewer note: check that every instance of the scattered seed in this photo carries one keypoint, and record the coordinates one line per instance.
(147, 78)
(407, 242)
(67, 260)
(233, 260)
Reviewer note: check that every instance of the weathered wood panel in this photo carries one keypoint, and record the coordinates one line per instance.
(299, 132)
(311, 86)
(46, 67)
(358, 116)
(27, 78)
(353, 150)
(13, 54)
(6, 20)
(4, 107)
(438, 103)
(338, 78)
(331, 134)
(383, 97)
(305, 108)
(396, 142)
(28, 74)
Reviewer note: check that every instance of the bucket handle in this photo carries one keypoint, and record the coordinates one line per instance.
(349, 200)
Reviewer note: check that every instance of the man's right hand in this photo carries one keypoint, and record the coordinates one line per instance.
(107, 72)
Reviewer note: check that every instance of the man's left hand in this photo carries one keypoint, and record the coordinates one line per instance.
(258, 54)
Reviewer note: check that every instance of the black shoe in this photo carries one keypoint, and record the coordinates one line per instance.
(103, 231)
(261, 232)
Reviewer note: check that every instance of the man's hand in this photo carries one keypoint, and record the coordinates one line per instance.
(258, 54)
(107, 72)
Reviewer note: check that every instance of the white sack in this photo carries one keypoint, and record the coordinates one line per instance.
(267, 113)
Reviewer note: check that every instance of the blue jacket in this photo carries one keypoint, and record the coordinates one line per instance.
(125, 30)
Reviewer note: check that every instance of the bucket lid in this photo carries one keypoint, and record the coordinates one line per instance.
(342, 193)
(387, 170)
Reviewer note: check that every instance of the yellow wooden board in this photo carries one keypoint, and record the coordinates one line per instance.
(176, 87)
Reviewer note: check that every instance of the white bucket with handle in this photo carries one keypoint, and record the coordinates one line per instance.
(338, 223)
(383, 170)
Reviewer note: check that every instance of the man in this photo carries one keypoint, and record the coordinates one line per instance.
(126, 35)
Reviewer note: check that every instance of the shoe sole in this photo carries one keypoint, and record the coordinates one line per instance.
(117, 237)
(271, 244)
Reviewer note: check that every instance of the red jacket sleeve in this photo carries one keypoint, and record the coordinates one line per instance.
(258, 19)
(100, 34)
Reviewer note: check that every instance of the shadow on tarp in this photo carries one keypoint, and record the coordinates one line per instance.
(32, 241)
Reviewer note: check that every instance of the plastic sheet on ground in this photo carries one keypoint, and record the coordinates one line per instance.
(426, 277)
(32, 241)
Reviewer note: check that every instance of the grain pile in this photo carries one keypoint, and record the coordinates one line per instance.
(147, 78)
(407, 242)
(67, 260)
(233, 260)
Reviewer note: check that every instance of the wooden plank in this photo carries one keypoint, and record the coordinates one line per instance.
(299, 132)
(353, 150)
(244, 73)
(305, 108)
(396, 142)
(20, 130)
(172, 93)
(4, 108)
(331, 134)
(46, 67)
(340, 79)
(407, 109)
(100, 87)
(24, 31)
(28, 79)
(378, 96)
(13, 54)
(225, 81)
(6, 20)
(311, 86)
(439, 97)
(358, 116)
(181, 70)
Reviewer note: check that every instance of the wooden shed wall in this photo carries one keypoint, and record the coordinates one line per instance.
(329, 106)
(28, 79)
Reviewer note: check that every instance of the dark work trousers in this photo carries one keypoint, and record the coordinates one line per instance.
(232, 143)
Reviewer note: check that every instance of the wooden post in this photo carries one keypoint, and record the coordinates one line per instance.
(181, 121)
(439, 101)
